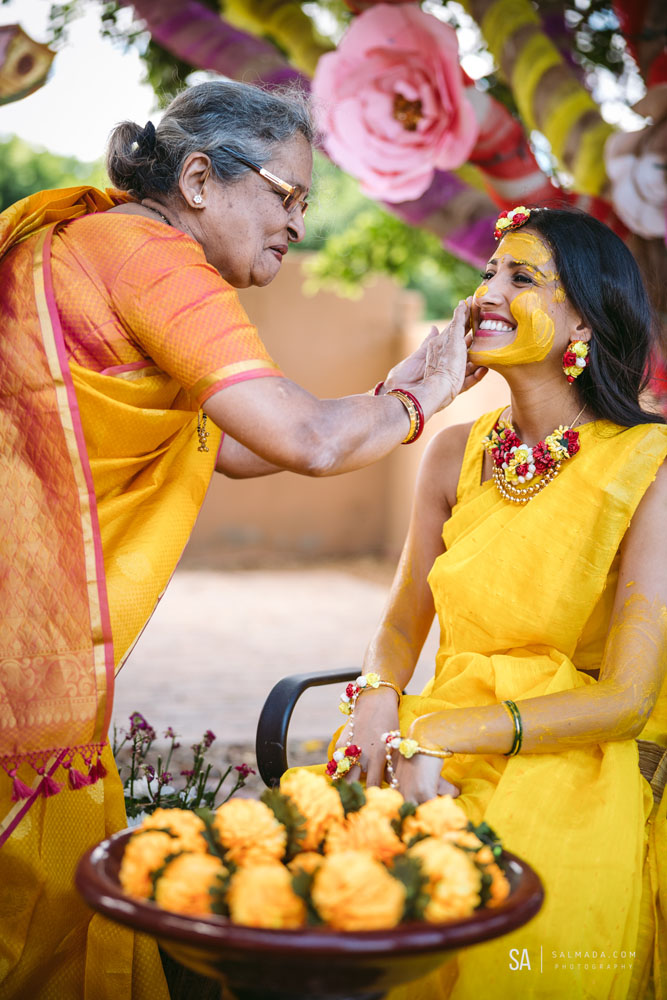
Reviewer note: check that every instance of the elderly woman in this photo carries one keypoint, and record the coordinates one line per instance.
(130, 372)
(538, 539)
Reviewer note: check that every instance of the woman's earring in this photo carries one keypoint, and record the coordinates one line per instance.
(575, 359)
(198, 199)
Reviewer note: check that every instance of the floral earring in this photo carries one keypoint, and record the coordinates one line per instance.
(575, 359)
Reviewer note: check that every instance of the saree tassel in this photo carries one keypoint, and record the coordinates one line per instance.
(19, 788)
(101, 769)
(97, 771)
(76, 779)
(48, 785)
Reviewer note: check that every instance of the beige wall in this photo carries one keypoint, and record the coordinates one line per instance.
(332, 347)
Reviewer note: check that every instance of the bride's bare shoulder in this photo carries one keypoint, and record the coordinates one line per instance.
(441, 465)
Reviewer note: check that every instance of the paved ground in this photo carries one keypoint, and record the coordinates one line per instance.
(218, 642)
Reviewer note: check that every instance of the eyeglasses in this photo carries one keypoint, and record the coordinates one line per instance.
(293, 194)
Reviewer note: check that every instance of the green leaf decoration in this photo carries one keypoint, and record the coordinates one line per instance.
(208, 815)
(417, 837)
(218, 894)
(302, 884)
(210, 835)
(485, 887)
(352, 795)
(407, 809)
(159, 872)
(286, 812)
(409, 872)
(488, 836)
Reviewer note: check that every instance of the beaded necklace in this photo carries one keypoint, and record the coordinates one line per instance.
(515, 464)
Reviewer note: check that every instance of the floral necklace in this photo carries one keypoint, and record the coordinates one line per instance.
(515, 464)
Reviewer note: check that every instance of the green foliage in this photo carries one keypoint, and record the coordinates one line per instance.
(302, 884)
(352, 796)
(377, 243)
(409, 872)
(25, 170)
(286, 813)
(407, 809)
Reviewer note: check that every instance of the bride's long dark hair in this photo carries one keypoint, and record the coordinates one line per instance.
(602, 282)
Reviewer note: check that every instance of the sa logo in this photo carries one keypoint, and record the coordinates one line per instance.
(519, 959)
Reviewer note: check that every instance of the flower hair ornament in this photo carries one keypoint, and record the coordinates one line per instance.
(512, 220)
(575, 359)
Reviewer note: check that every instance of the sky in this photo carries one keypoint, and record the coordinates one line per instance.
(93, 85)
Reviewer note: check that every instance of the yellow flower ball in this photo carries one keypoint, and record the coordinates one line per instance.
(250, 832)
(183, 824)
(454, 881)
(262, 896)
(436, 817)
(463, 838)
(385, 801)
(317, 801)
(186, 883)
(354, 892)
(306, 862)
(365, 831)
(143, 855)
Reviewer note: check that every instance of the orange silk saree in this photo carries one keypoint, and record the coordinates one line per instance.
(114, 333)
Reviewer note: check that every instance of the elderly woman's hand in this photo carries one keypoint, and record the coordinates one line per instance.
(440, 356)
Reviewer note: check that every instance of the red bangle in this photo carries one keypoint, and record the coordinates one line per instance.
(408, 399)
(378, 388)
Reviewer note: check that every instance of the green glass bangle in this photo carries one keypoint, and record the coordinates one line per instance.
(515, 716)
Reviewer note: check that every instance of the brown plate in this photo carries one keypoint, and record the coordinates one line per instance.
(311, 962)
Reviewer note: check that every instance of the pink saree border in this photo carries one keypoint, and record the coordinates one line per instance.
(101, 728)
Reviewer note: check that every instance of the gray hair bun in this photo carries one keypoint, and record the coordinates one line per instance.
(147, 162)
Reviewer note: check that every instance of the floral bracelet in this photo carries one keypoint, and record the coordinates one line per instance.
(407, 748)
(346, 757)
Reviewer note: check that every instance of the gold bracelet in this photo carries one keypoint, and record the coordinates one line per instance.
(414, 410)
(411, 410)
(386, 684)
(407, 748)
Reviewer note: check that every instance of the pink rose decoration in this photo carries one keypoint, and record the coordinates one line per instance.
(390, 102)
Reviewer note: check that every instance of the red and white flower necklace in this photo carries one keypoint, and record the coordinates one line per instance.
(516, 464)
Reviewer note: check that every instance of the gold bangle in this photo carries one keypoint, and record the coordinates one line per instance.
(411, 410)
(386, 684)
(407, 748)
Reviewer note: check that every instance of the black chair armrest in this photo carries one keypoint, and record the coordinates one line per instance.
(271, 740)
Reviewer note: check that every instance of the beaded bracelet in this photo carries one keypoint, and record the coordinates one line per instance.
(407, 748)
(346, 757)
(415, 412)
(515, 716)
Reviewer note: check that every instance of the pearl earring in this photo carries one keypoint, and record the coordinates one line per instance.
(198, 199)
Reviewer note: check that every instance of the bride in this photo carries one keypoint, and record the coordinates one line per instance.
(538, 537)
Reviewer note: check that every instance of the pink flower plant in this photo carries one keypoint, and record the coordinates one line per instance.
(390, 102)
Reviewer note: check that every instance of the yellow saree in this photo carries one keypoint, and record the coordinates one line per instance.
(524, 598)
(114, 333)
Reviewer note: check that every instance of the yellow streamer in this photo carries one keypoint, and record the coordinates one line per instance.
(536, 57)
(285, 22)
(588, 167)
(503, 20)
